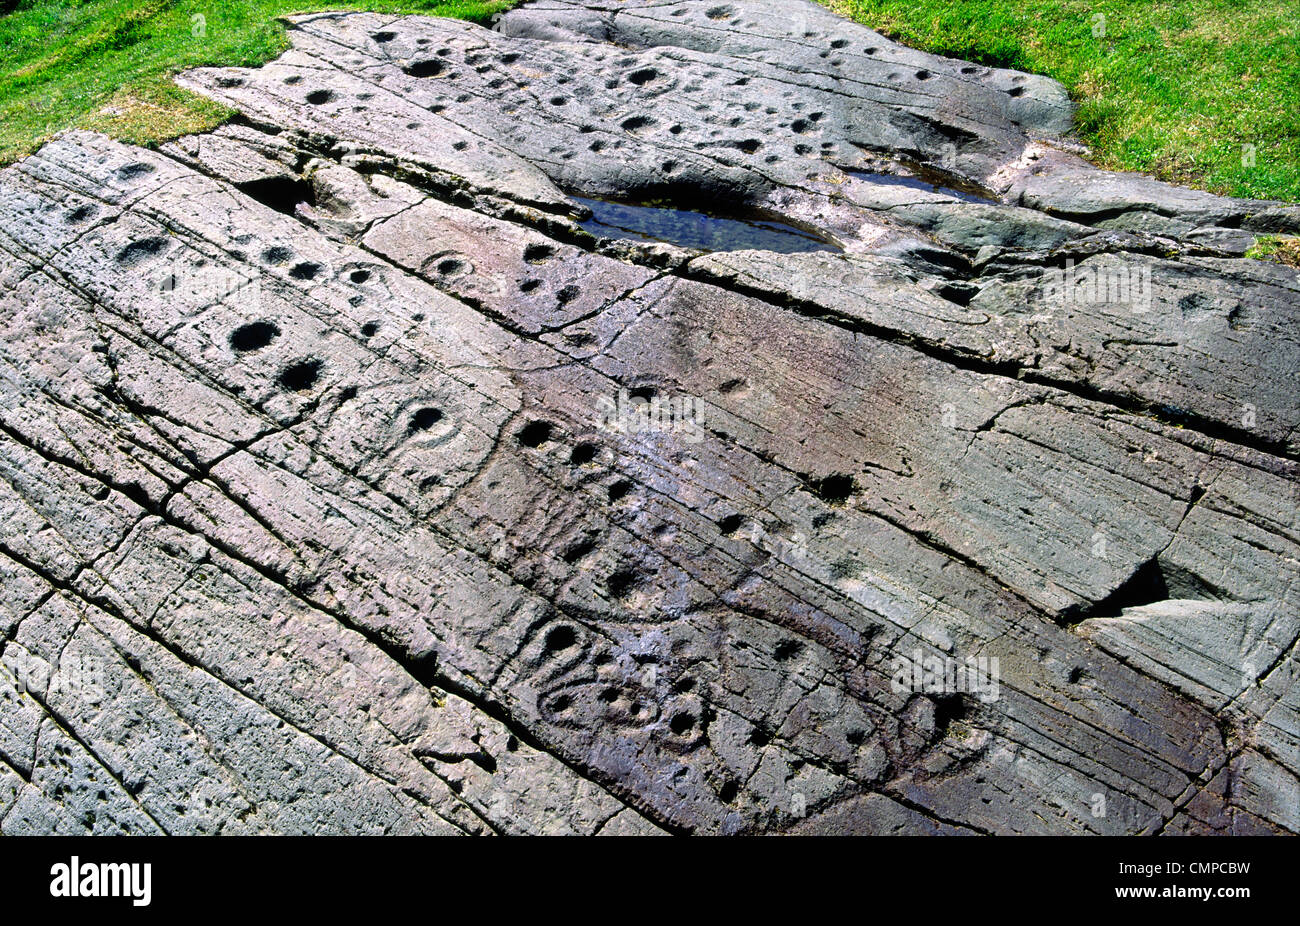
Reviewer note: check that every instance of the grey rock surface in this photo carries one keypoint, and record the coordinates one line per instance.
(358, 478)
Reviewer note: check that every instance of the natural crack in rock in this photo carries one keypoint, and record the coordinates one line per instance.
(359, 478)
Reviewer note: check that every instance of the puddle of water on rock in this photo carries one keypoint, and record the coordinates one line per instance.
(917, 183)
(689, 229)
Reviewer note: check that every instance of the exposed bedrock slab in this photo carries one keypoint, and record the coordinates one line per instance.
(356, 480)
(779, 107)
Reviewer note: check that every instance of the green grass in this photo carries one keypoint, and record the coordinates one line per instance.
(106, 64)
(1280, 248)
(1174, 88)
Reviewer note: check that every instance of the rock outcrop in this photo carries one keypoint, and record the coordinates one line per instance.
(366, 471)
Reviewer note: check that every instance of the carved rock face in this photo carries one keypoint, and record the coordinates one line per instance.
(365, 470)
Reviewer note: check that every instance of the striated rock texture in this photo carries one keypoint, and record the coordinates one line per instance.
(356, 478)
